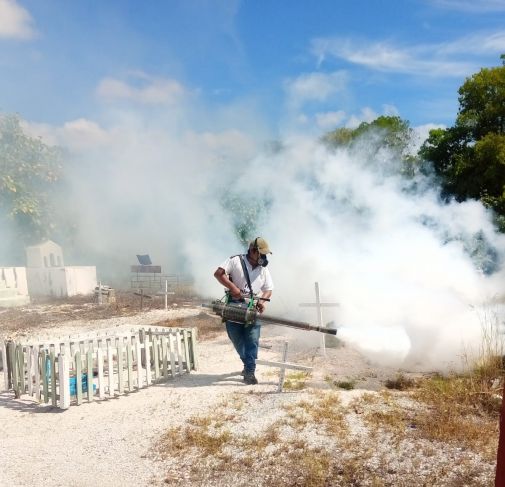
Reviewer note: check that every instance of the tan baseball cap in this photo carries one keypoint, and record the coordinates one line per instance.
(261, 244)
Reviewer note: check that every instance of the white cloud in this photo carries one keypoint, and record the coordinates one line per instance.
(150, 90)
(475, 44)
(75, 135)
(302, 119)
(327, 120)
(434, 60)
(315, 87)
(381, 56)
(15, 21)
(482, 6)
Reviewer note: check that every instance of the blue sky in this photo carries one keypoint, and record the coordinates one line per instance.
(317, 65)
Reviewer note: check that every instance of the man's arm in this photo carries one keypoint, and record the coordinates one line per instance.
(221, 276)
(262, 304)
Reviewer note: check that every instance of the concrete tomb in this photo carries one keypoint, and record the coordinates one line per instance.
(47, 274)
(13, 287)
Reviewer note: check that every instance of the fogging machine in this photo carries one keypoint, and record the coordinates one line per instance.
(247, 313)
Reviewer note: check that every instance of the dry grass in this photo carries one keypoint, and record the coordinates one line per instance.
(326, 410)
(282, 460)
(400, 383)
(459, 410)
(434, 430)
(464, 409)
(208, 326)
(394, 449)
(295, 381)
(48, 311)
(347, 385)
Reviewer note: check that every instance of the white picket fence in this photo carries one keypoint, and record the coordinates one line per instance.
(94, 367)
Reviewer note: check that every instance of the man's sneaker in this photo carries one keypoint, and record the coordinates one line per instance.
(243, 372)
(250, 378)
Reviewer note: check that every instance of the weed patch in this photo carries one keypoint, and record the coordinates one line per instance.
(295, 381)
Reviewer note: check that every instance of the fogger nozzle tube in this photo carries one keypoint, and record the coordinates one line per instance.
(242, 314)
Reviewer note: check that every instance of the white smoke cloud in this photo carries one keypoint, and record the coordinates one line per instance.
(390, 253)
(407, 291)
(15, 21)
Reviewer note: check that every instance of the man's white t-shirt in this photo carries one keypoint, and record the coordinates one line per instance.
(259, 276)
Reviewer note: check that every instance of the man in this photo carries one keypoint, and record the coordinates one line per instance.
(234, 274)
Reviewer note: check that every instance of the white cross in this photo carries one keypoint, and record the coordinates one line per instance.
(283, 366)
(318, 305)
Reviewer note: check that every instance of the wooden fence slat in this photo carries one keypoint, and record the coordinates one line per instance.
(43, 375)
(110, 366)
(164, 356)
(156, 358)
(10, 362)
(52, 359)
(139, 362)
(101, 381)
(172, 354)
(194, 349)
(90, 381)
(5, 365)
(64, 385)
(13, 359)
(3, 354)
(129, 359)
(179, 351)
(36, 363)
(29, 369)
(120, 365)
(21, 365)
(78, 377)
(142, 339)
(147, 349)
(186, 350)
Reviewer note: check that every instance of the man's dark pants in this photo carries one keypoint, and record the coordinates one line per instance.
(245, 339)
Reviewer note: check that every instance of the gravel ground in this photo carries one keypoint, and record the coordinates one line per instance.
(115, 441)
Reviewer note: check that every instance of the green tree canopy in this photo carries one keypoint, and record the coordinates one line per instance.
(388, 132)
(29, 169)
(470, 156)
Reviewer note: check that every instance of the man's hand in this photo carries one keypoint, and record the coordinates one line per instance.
(261, 304)
(221, 276)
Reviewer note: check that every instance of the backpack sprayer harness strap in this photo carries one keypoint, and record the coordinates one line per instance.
(246, 274)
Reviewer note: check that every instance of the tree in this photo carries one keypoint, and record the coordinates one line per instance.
(29, 170)
(247, 211)
(385, 132)
(470, 157)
